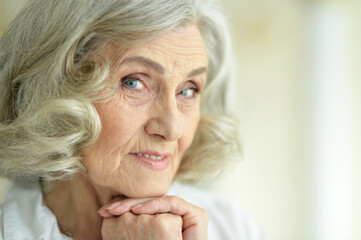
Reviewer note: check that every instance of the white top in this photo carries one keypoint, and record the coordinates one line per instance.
(24, 216)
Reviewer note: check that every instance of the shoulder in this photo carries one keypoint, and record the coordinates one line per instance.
(226, 220)
(23, 214)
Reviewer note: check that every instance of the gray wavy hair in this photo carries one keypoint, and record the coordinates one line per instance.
(49, 82)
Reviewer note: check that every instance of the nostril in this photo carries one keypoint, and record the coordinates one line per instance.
(168, 130)
(165, 122)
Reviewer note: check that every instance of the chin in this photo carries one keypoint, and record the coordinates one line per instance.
(148, 191)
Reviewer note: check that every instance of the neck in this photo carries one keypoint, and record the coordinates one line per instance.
(75, 204)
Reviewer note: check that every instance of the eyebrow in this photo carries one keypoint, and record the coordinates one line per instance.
(197, 71)
(159, 68)
(149, 62)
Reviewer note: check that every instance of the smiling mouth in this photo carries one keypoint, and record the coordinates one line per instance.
(153, 160)
(154, 157)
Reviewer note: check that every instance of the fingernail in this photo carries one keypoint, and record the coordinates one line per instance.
(138, 206)
(101, 212)
(104, 213)
(103, 208)
(113, 205)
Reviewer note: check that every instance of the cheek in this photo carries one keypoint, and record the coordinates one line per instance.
(120, 123)
(115, 132)
(120, 127)
(190, 127)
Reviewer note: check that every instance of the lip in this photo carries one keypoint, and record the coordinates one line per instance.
(151, 163)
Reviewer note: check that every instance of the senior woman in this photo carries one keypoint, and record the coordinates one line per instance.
(103, 104)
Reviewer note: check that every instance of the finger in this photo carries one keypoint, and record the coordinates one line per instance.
(169, 204)
(195, 219)
(115, 201)
(120, 207)
(103, 211)
(166, 204)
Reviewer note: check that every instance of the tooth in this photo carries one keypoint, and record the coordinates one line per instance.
(153, 157)
(139, 154)
(146, 155)
(160, 158)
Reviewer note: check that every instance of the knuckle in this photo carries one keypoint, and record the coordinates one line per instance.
(205, 215)
(142, 219)
(203, 212)
(107, 226)
(127, 217)
(168, 222)
(173, 200)
(160, 220)
(107, 222)
(178, 220)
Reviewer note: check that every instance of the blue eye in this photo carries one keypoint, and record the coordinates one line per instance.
(189, 92)
(133, 83)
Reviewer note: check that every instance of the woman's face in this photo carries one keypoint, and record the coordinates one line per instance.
(152, 120)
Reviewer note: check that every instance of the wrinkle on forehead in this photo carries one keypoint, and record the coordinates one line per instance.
(179, 52)
(181, 40)
(181, 48)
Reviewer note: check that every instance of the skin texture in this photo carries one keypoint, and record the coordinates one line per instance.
(156, 108)
(155, 117)
(194, 220)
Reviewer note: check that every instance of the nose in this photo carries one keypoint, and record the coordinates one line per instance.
(165, 120)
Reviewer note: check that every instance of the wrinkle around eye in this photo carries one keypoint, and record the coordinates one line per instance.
(187, 107)
(188, 104)
(136, 95)
(131, 98)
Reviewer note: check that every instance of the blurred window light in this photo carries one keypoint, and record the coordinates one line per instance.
(330, 122)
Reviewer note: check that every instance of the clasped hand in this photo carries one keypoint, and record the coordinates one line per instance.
(167, 217)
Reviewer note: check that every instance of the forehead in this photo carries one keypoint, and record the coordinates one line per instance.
(183, 48)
